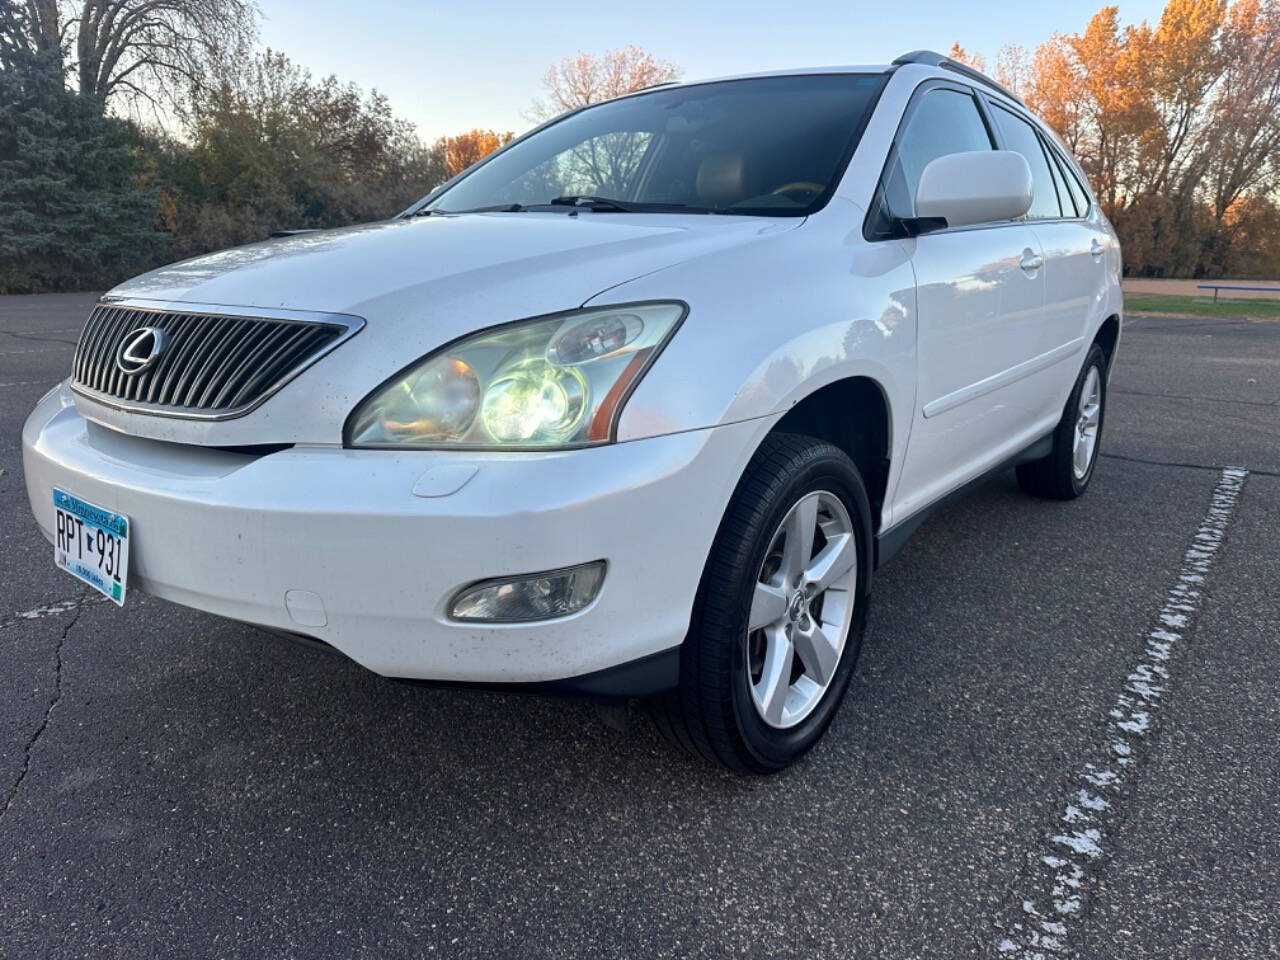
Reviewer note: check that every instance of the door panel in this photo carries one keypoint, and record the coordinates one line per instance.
(980, 310)
(1075, 277)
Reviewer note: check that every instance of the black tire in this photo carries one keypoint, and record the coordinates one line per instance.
(711, 713)
(1054, 476)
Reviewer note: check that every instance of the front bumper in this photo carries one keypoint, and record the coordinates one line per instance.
(335, 544)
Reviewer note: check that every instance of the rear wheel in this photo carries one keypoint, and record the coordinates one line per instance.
(1065, 473)
(780, 612)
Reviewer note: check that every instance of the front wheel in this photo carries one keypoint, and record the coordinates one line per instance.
(780, 611)
(1065, 473)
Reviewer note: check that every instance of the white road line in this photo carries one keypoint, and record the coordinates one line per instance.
(15, 353)
(1063, 872)
(24, 383)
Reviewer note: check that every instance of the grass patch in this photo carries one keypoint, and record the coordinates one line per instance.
(1200, 307)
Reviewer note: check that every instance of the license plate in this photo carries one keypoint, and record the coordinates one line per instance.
(92, 543)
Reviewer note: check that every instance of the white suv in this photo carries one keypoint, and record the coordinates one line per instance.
(632, 408)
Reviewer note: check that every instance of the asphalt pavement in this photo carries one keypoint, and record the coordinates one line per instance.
(176, 785)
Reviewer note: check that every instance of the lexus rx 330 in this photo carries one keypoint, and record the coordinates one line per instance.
(632, 408)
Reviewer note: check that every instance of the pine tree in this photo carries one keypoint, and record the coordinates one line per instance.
(70, 214)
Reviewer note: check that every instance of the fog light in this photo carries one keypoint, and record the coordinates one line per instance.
(534, 596)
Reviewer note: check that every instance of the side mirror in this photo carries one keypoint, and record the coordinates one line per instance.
(983, 186)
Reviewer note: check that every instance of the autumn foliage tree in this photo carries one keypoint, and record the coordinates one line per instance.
(960, 55)
(467, 148)
(1177, 125)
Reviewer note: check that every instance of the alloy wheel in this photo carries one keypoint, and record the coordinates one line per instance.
(1088, 421)
(801, 609)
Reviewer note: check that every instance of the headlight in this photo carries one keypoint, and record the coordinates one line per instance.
(557, 381)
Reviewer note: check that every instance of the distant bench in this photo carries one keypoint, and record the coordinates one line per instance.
(1215, 287)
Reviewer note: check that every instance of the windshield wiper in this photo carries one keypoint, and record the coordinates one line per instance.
(592, 203)
(496, 208)
(610, 205)
(584, 202)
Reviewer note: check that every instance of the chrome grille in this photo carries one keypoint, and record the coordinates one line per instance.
(213, 365)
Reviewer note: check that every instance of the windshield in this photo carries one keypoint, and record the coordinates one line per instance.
(771, 146)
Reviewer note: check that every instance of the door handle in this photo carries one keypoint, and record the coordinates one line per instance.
(1095, 248)
(1031, 261)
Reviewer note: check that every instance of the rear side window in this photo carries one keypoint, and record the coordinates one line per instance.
(1078, 196)
(1021, 136)
(1060, 183)
(944, 121)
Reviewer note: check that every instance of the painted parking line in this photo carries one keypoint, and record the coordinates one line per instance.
(1063, 869)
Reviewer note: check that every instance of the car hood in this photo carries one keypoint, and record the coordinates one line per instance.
(554, 259)
(417, 283)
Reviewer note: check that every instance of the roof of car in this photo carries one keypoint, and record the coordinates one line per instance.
(923, 58)
(793, 72)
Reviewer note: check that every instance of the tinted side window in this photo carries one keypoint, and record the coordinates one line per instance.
(944, 121)
(1073, 184)
(1021, 136)
(1060, 184)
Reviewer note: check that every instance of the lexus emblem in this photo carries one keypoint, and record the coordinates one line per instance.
(140, 349)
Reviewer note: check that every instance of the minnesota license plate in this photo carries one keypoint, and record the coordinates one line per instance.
(91, 543)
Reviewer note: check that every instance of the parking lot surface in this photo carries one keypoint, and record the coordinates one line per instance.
(997, 783)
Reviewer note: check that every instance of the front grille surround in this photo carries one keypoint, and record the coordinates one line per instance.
(219, 363)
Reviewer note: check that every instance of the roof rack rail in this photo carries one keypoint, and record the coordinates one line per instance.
(931, 59)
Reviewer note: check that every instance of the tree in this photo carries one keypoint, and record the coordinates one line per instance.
(588, 78)
(1183, 62)
(1249, 242)
(467, 148)
(71, 215)
(269, 147)
(1013, 68)
(960, 55)
(605, 163)
(16, 34)
(1117, 103)
(1243, 153)
(1178, 126)
(149, 49)
(1055, 90)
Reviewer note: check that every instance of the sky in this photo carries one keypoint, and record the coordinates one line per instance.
(480, 63)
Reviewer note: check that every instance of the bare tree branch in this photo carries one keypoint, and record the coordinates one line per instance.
(153, 50)
(589, 78)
